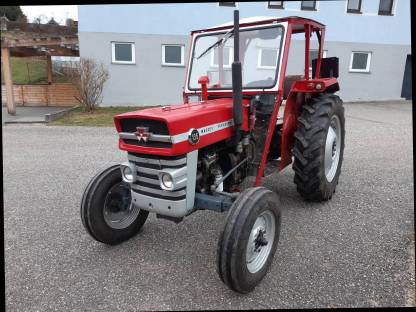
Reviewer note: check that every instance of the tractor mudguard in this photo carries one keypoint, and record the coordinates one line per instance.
(294, 101)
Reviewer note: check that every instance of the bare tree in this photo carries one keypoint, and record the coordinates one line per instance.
(89, 77)
(41, 19)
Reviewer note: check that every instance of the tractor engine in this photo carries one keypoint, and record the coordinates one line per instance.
(216, 161)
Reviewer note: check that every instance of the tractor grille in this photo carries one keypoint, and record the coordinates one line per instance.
(155, 127)
(148, 168)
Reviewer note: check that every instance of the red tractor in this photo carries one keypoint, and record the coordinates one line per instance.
(212, 151)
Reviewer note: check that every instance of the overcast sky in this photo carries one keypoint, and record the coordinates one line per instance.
(59, 12)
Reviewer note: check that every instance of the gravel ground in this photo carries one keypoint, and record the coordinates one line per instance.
(356, 250)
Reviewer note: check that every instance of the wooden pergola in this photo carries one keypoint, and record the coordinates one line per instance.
(47, 42)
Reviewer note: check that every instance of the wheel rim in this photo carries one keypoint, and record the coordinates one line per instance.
(260, 241)
(332, 148)
(119, 212)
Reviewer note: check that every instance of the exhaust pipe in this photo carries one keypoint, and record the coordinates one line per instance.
(237, 80)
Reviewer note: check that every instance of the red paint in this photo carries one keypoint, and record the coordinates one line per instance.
(321, 48)
(290, 123)
(203, 81)
(272, 125)
(180, 148)
(309, 86)
(307, 43)
(181, 118)
(274, 117)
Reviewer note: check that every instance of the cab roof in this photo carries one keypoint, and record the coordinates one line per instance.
(297, 23)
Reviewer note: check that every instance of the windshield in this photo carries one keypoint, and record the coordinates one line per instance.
(259, 57)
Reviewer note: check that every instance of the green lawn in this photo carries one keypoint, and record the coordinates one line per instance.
(102, 117)
(26, 70)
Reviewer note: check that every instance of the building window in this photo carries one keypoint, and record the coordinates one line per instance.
(385, 7)
(360, 62)
(308, 5)
(267, 58)
(123, 53)
(173, 55)
(229, 4)
(275, 5)
(227, 57)
(354, 6)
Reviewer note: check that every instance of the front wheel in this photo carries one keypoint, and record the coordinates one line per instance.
(107, 212)
(249, 239)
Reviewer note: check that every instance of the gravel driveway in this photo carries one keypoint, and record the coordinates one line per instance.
(353, 251)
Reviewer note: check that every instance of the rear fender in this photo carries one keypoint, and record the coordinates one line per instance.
(300, 91)
(322, 85)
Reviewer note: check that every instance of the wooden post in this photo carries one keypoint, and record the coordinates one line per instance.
(7, 71)
(49, 66)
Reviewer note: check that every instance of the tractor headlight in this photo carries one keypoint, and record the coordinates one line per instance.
(127, 173)
(171, 179)
(166, 181)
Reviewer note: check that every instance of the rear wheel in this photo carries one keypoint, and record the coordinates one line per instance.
(319, 147)
(249, 239)
(107, 212)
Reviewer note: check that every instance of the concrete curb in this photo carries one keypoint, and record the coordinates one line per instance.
(400, 101)
(53, 116)
(24, 122)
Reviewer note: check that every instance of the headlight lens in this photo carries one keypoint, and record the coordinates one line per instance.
(167, 181)
(127, 174)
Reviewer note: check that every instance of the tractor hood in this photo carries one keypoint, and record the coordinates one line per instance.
(167, 130)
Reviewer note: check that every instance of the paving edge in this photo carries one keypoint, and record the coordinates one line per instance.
(377, 101)
(53, 116)
(24, 122)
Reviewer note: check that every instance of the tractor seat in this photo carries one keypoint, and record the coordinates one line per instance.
(287, 84)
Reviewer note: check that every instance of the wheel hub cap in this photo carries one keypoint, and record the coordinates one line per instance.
(260, 241)
(119, 212)
(332, 148)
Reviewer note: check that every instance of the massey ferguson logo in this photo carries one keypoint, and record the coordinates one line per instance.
(193, 136)
(142, 133)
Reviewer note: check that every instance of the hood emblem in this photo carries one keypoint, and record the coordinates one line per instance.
(193, 136)
(142, 133)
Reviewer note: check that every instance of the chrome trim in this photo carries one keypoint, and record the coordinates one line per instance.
(181, 137)
(178, 138)
(160, 138)
(173, 208)
(178, 178)
(127, 135)
(159, 192)
(132, 168)
(151, 137)
(191, 165)
(186, 177)
(173, 162)
(147, 170)
(175, 173)
(147, 180)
